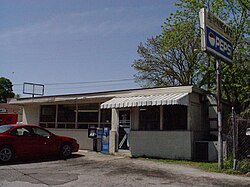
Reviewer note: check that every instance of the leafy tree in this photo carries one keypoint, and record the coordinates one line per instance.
(5, 90)
(236, 77)
(175, 58)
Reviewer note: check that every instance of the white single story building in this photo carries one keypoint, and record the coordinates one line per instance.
(162, 122)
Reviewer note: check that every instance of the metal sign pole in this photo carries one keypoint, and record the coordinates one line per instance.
(33, 91)
(219, 109)
(234, 140)
(216, 39)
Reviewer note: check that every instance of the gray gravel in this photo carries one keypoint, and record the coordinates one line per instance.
(96, 169)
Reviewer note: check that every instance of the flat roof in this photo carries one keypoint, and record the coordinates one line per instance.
(105, 94)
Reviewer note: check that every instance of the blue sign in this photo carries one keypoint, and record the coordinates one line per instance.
(219, 45)
(99, 132)
(105, 140)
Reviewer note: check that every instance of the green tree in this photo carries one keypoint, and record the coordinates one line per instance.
(236, 77)
(5, 90)
(174, 57)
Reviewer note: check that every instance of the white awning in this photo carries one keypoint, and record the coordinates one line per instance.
(149, 100)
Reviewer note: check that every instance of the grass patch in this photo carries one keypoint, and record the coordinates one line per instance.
(243, 166)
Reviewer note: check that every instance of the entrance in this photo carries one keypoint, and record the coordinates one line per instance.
(124, 129)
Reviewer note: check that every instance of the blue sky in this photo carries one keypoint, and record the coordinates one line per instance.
(75, 41)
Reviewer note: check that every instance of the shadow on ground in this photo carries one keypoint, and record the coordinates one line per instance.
(40, 159)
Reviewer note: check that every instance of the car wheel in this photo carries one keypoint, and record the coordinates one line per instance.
(6, 154)
(66, 150)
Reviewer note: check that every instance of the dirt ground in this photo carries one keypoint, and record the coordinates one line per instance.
(96, 169)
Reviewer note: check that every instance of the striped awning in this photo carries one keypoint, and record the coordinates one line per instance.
(148, 100)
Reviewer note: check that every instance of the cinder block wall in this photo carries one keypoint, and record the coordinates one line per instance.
(161, 144)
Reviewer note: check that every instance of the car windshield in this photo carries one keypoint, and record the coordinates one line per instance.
(5, 128)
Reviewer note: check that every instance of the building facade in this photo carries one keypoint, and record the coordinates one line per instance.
(155, 122)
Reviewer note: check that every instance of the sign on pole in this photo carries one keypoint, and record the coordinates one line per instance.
(33, 89)
(216, 36)
(216, 39)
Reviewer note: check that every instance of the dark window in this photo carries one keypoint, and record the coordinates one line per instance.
(22, 131)
(40, 132)
(66, 113)
(83, 126)
(124, 118)
(174, 117)
(106, 118)
(48, 113)
(88, 113)
(149, 118)
(106, 115)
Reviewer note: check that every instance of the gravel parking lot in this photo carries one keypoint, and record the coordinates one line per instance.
(96, 169)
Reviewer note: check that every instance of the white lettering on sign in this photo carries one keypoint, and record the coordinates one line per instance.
(223, 46)
(216, 36)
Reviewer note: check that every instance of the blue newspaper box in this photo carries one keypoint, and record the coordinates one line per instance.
(105, 140)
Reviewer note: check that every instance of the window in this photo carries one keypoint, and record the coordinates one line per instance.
(41, 132)
(48, 116)
(149, 118)
(106, 118)
(174, 117)
(48, 113)
(66, 116)
(88, 113)
(106, 115)
(5, 128)
(72, 116)
(66, 113)
(21, 132)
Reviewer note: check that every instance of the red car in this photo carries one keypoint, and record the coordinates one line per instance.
(31, 140)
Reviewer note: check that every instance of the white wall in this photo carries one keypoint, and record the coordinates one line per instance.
(31, 114)
(162, 144)
(81, 135)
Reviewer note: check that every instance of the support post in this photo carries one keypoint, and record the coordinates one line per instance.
(234, 140)
(219, 113)
(113, 143)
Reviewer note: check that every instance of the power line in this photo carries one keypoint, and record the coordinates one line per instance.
(87, 82)
(89, 86)
(82, 87)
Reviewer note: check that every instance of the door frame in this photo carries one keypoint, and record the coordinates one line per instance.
(127, 139)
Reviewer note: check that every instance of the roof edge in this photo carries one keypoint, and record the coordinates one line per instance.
(104, 94)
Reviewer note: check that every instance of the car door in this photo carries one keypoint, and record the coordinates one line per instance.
(24, 142)
(46, 140)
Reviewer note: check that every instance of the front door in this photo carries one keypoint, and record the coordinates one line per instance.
(124, 129)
